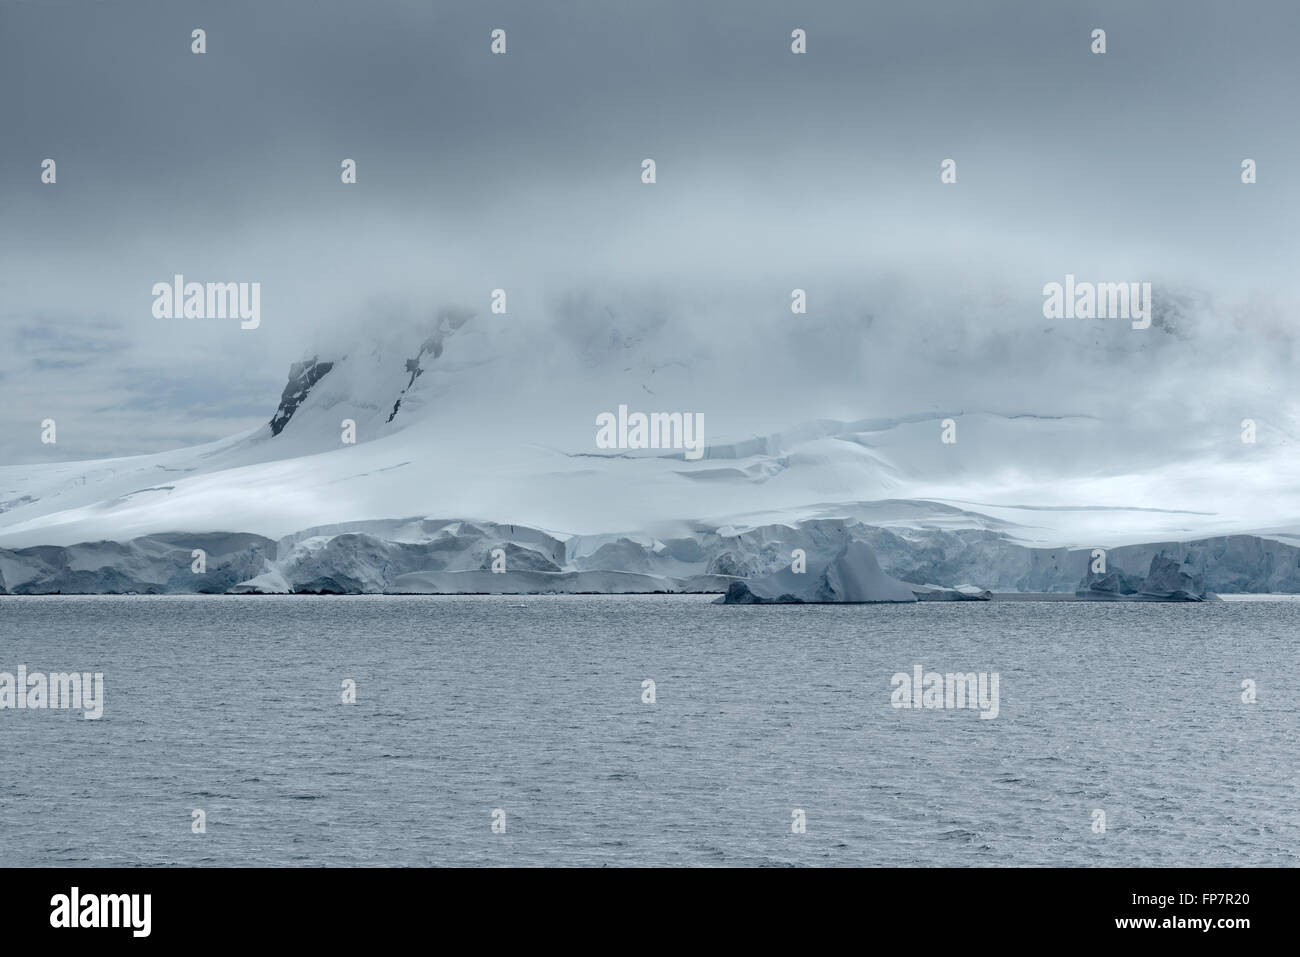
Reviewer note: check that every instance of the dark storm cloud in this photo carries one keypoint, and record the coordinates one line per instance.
(152, 138)
(478, 170)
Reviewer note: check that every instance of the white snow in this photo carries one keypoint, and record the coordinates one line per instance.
(1051, 481)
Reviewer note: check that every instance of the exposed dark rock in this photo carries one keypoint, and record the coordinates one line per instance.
(302, 376)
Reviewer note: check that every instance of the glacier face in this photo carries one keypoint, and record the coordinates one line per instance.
(457, 557)
(437, 480)
(1166, 580)
(852, 576)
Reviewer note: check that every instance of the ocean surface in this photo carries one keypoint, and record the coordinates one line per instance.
(533, 707)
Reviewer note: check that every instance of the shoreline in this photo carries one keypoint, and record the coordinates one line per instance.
(1053, 597)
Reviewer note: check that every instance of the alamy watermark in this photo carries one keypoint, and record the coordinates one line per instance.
(1101, 300)
(58, 690)
(179, 299)
(656, 430)
(75, 909)
(930, 689)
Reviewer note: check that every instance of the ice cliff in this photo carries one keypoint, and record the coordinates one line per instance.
(1166, 580)
(853, 576)
(461, 481)
(847, 560)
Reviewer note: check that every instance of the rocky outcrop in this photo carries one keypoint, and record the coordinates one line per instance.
(302, 376)
(449, 320)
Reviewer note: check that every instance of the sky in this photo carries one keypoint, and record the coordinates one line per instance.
(522, 171)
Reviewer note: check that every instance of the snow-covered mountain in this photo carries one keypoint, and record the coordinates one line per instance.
(404, 462)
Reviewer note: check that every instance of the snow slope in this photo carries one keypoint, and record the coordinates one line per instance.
(432, 446)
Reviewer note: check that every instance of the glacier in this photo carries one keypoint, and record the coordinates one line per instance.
(423, 556)
(443, 493)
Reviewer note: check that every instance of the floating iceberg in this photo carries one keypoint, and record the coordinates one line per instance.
(1166, 580)
(852, 576)
(955, 593)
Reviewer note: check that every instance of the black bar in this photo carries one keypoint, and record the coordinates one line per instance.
(966, 908)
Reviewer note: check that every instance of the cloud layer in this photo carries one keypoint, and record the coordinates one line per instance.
(522, 172)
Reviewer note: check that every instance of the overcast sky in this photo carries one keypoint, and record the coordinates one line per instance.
(522, 171)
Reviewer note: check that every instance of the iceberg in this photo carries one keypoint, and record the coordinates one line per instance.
(962, 592)
(853, 576)
(1166, 580)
